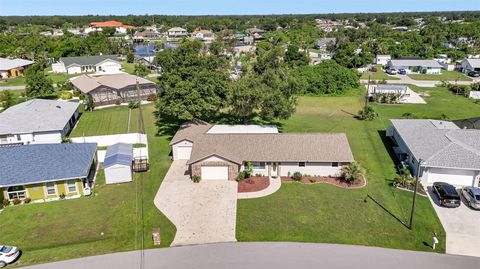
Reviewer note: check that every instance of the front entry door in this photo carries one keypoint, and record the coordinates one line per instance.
(274, 170)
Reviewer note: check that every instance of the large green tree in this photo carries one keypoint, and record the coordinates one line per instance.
(37, 84)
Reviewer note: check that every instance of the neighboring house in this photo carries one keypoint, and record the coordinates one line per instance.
(445, 62)
(323, 44)
(416, 66)
(221, 152)
(145, 50)
(255, 34)
(176, 33)
(38, 121)
(11, 68)
(468, 65)
(46, 172)
(120, 28)
(113, 89)
(87, 64)
(145, 35)
(205, 36)
(382, 59)
(118, 163)
(388, 89)
(450, 154)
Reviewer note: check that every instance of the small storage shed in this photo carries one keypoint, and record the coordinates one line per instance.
(118, 163)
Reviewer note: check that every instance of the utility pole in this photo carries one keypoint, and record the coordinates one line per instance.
(419, 166)
(368, 89)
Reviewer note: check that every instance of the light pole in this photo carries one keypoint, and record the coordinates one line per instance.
(419, 166)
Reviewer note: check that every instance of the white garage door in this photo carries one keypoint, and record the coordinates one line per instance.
(183, 153)
(451, 176)
(214, 172)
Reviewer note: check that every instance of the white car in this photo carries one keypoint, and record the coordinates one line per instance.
(8, 255)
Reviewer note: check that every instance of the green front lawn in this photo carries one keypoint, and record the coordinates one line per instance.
(325, 213)
(379, 75)
(18, 81)
(103, 223)
(128, 67)
(112, 120)
(444, 76)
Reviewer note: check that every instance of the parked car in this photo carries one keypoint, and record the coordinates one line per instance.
(402, 71)
(472, 195)
(8, 255)
(391, 71)
(447, 194)
(474, 74)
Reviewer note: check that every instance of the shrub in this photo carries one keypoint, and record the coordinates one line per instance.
(297, 176)
(312, 179)
(66, 95)
(241, 176)
(152, 97)
(258, 175)
(196, 178)
(62, 196)
(76, 93)
(373, 69)
(408, 115)
(5, 202)
(367, 113)
(118, 102)
(27, 200)
(352, 172)
(132, 105)
(16, 201)
(248, 169)
(424, 71)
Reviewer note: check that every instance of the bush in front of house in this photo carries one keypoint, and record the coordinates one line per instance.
(5, 202)
(352, 172)
(241, 176)
(16, 201)
(297, 176)
(196, 179)
(66, 95)
(367, 113)
(152, 97)
(132, 105)
(27, 200)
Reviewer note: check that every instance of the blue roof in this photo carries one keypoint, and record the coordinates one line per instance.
(120, 153)
(36, 163)
(148, 50)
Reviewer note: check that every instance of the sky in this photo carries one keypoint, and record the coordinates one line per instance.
(225, 7)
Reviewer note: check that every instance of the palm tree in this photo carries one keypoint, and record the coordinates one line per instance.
(352, 172)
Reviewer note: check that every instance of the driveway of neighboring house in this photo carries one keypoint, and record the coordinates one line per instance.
(462, 225)
(203, 212)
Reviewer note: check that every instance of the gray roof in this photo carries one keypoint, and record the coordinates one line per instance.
(7, 64)
(325, 41)
(86, 83)
(37, 115)
(119, 153)
(87, 60)
(29, 164)
(414, 62)
(328, 147)
(474, 63)
(440, 143)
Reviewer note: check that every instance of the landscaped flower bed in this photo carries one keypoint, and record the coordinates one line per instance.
(337, 181)
(253, 184)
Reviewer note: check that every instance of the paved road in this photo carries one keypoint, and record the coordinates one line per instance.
(422, 83)
(9, 88)
(270, 255)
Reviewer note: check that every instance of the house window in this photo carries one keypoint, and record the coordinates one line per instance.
(301, 164)
(335, 164)
(16, 192)
(258, 165)
(72, 186)
(50, 188)
(18, 137)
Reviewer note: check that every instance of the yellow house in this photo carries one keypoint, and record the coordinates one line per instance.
(46, 172)
(11, 68)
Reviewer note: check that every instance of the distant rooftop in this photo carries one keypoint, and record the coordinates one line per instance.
(87, 60)
(86, 83)
(7, 64)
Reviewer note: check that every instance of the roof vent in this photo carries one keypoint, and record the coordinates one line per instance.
(58, 106)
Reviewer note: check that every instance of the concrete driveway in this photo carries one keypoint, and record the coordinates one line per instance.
(203, 212)
(462, 225)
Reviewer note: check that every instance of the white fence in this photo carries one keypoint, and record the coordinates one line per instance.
(137, 152)
(108, 140)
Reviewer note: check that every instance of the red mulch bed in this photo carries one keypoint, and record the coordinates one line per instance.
(253, 184)
(339, 182)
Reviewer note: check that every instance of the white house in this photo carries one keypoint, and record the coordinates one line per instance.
(449, 154)
(222, 151)
(118, 163)
(416, 66)
(38, 121)
(468, 65)
(176, 33)
(382, 59)
(205, 36)
(87, 64)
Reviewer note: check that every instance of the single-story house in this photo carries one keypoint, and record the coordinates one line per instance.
(38, 121)
(118, 163)
(324, 43)
(468, 65)
(449, 154)
(113, 89)
(221, 152)
(205, 36)
(120, 28)
(416, 66)
(382, 59)
(11, 68)
(46, 171)
(255, 33)
(388, 88)
(87, 64)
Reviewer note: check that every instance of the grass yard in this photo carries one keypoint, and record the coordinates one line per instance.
(379, 75)
(444, 76)
(375, 215)
(73, 228)
(18, 81)
(128, 67)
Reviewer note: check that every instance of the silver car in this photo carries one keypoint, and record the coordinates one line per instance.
(472, 195)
